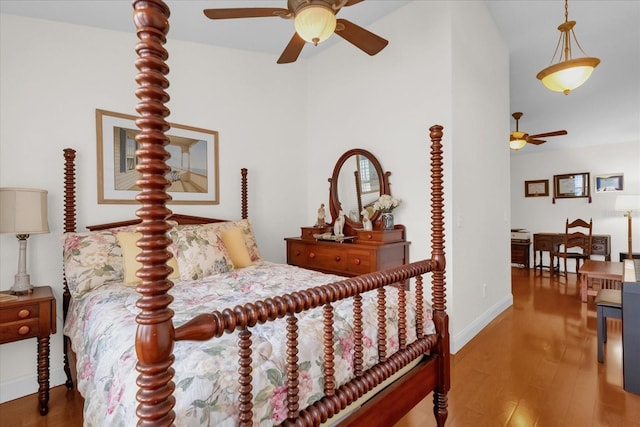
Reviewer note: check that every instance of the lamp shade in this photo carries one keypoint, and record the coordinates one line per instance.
(23, 211)
(628, 202)
(567, 75)
(315, 23)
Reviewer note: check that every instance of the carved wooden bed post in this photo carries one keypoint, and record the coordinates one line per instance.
(438, 295)
(69, 227)
(155, 334)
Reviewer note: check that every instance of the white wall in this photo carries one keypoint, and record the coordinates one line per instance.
(446, 65)
(481, 274)
(539, 214)
(288, 125)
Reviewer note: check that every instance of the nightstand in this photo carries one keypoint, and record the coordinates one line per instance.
(32, 316)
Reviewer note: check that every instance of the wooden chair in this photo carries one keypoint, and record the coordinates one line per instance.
(576, 245)
(608, 304)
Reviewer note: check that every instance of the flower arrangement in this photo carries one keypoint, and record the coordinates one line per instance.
(386, 203)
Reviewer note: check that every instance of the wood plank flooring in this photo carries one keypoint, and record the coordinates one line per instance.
(534, 365)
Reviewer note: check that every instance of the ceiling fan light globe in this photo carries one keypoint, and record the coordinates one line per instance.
(315, 23)
(568, 75)
(517, 144)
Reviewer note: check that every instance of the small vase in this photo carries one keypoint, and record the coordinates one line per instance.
(387, 221)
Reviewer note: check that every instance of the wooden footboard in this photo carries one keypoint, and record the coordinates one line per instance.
(243, 318)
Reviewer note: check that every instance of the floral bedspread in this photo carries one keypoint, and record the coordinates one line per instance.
(101, 325)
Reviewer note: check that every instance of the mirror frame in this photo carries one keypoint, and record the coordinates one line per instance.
(334, 200)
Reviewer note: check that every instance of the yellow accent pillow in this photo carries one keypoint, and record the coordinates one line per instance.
(233, 239)
(130, 250)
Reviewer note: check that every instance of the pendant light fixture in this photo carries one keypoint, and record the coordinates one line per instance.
(568, 73)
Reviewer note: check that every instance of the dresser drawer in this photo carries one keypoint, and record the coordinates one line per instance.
(327, 258)
(12, 314)
(359, 261)
(297, 254)
(15, 331)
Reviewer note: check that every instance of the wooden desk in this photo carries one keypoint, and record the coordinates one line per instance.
(549, 242)
(608, 273)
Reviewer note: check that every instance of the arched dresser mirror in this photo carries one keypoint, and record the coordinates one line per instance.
(356, 183)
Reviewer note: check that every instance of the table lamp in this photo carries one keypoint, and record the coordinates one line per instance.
(628, 203)
(23, 211)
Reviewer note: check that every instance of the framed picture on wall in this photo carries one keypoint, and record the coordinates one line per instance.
(193, 178)
(537, 188)
(571, 185)
(609, 182)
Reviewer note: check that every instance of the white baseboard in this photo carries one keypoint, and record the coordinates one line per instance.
(28, 384)
(460, 339)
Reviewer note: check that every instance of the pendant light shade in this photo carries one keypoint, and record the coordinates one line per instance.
(568, 73)
(315, 23)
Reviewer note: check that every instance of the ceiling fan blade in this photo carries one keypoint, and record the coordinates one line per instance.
(247, 12)
(352, 2)
(360, 38)
(535, 141)
(293, 49)
(547, 134)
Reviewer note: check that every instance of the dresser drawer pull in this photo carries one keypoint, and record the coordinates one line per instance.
(24, 313)
(356, 261)
(338, 258)
(297, 253)
(24, 330)
(312, 255)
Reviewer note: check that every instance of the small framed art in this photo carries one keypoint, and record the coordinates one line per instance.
(537, 188)
(610, 182)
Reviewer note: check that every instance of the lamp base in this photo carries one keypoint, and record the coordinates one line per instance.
(22, 284)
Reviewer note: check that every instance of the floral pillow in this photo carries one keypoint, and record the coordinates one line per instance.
(91, 259)
(200, 251)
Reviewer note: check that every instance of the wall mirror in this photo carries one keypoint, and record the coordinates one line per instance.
(356, 183)
(571, 185)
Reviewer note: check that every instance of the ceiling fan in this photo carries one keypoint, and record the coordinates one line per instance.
(517, 139)
(314, 20)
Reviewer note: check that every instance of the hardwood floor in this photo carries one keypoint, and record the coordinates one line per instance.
(534, 365)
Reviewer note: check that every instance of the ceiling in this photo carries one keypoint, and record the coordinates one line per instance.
(606, 109)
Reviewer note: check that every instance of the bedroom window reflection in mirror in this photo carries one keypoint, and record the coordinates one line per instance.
(369, 180)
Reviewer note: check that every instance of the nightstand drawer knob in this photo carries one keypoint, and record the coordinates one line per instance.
(356, 261)
(337, 258)
(24, 330)
(24, 313)
(312, 255)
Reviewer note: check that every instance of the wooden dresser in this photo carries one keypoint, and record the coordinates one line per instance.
(369, 251)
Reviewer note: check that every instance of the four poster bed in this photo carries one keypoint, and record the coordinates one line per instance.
(203, 331)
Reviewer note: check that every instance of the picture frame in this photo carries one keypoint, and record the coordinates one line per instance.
(609, 183)
(194, 161)
(571, 185)
(536, 188)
